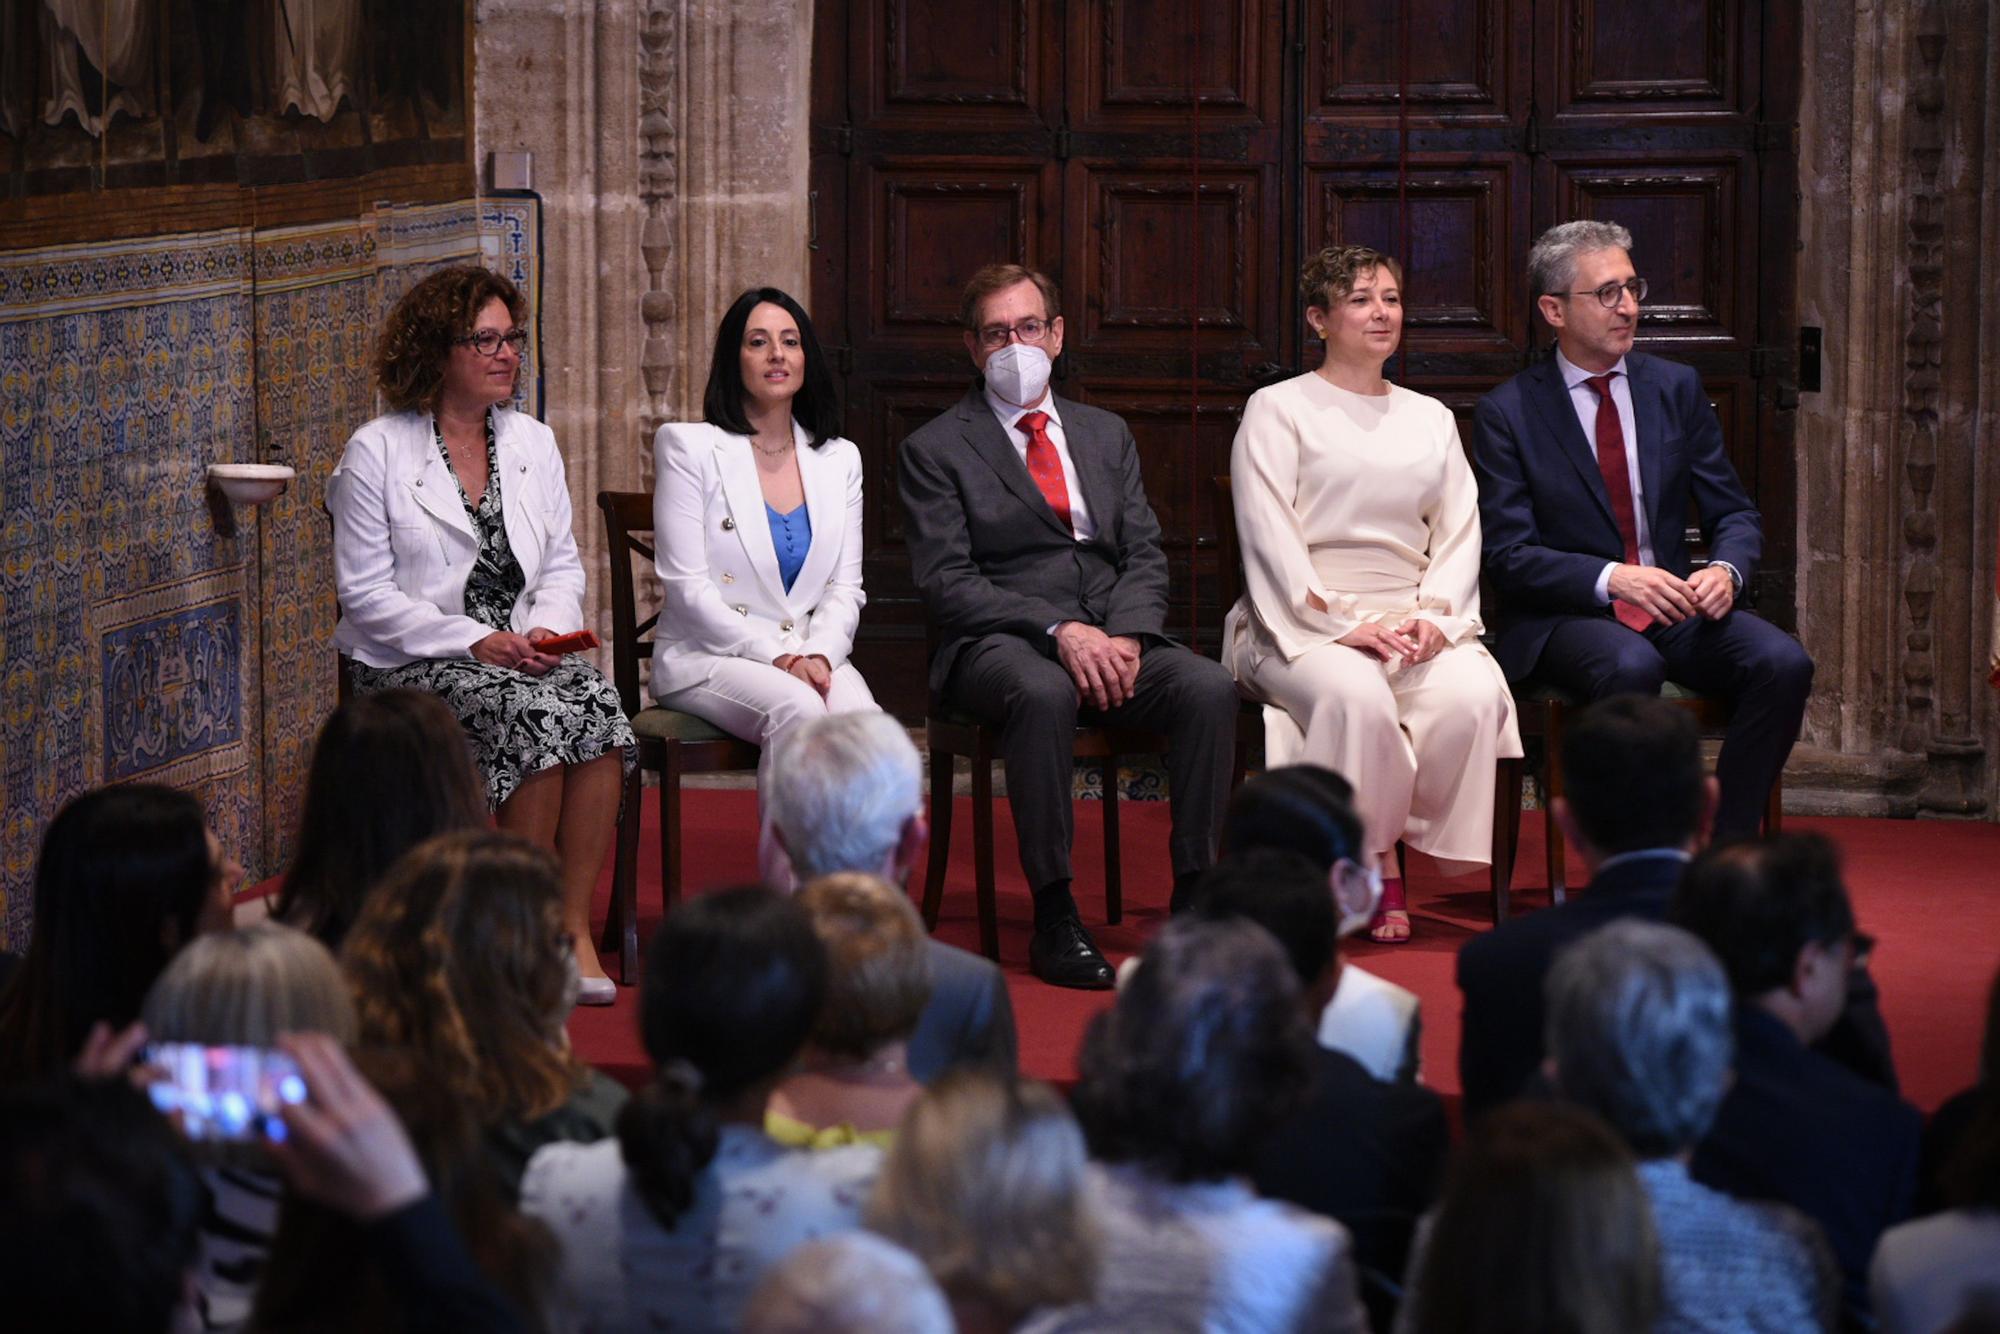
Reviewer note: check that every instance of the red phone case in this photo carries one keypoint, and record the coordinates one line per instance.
(570, 643)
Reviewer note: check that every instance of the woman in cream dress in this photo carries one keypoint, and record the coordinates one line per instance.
(1359, 524)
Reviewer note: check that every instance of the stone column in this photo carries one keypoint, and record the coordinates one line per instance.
(562, 81)
(1896, 493)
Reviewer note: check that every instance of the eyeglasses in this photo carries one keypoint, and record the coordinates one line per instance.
(1862, 947)
(1610, 294)
(1028, 331)
(487, 341)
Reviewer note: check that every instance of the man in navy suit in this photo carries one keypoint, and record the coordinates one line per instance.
(1588, 466)
(1637, 808)
(1797, 1126)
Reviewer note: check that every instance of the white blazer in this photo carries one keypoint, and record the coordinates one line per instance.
(403, 544)
(718, 568)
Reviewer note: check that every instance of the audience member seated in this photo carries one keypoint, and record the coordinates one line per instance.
(460, 961)
(127, 875)
(390, 1220)
(850, 797)
(1543, 1226)
(852, 1283)
(1368, 1153)
(388, 771)
(103, 1207)
(985, 1183)
(676, 1220)
(1930, 1274)
(1204, 1054)
(1639, 1032)
(1953, 1120)
(1637, 808)
(1797, 1126)
(242, 989)
(1309, 810)
(852, 1082)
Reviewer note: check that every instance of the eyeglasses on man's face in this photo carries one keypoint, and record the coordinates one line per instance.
(1610, 294)
(1028, 331)
(487, 341)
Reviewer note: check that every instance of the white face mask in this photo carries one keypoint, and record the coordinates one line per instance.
(1358, 921)
(1018, 373)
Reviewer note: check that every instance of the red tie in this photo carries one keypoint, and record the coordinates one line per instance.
(1044, 465)
(1618, 486)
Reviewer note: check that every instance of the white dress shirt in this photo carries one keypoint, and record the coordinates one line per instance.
(1080, 522)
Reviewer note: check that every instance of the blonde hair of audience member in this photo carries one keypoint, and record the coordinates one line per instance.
(460, 958)
(985, 1183)
(1543, 1226)
(243, 988)
(855, 1069)
(851, 1283)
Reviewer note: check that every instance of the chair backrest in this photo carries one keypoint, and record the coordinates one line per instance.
(1228, 555)
(628, 526)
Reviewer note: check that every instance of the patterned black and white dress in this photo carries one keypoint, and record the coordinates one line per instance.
(518, 724)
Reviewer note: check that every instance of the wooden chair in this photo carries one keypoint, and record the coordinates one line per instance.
(1507, 775)
(951, 732)
(671, 744)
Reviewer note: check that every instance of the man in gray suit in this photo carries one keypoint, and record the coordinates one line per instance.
(846, 793)
(1039, 561)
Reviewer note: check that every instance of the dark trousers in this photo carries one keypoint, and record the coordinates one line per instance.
(1029, 698)
(1759, 668)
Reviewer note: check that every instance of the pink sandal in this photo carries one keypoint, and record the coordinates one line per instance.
(1391, 924)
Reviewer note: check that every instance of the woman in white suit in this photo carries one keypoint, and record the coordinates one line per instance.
(454, 561)
(1359, 522)
(757, 526)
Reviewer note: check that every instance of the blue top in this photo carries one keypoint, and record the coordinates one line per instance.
(791, 535)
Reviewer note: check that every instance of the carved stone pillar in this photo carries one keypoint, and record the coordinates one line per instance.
(1896, 492)
(562, 81)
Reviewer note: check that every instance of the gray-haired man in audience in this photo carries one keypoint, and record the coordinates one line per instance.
(846, 794)
(1639, 1031)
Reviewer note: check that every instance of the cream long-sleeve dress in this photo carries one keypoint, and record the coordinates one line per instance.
(1367, 502)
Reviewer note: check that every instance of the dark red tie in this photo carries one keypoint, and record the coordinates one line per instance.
(1618, 486)
(1045, 465)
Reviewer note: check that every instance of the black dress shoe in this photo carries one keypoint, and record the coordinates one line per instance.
(1062, 955)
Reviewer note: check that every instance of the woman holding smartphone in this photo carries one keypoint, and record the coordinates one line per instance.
(454, 563)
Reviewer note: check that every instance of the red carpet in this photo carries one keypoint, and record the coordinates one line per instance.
(1926, 890)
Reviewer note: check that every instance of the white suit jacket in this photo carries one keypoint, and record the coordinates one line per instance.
(718, 568)
(403, 544)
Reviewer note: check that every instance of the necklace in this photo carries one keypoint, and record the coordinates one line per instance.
(777, 453)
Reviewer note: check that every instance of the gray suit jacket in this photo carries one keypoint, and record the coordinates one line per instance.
(969, 1019)
(990, 557)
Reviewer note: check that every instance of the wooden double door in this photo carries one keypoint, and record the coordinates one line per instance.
(1169, 162)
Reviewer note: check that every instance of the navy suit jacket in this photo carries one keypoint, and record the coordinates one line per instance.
(1545, 518)
(1500, 974)
(1799, 1128)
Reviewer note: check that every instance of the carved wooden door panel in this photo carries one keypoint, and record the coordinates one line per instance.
(1169, 161)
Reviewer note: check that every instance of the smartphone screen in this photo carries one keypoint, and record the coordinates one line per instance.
(226, 1095)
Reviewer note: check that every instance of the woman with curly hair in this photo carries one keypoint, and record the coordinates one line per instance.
(461, 960)
(1360, 614)
(454, 563)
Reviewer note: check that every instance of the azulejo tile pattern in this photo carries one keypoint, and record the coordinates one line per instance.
(136, 642)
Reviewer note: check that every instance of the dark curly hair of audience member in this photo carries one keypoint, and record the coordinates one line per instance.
(323, 1273)
(1971, 1173)
(733, 983)
(123, 877)
(1758, 904)
(1543, 1226)
(99, 1228)
(416, 341)
(389, 770)
(817, 404)
(458, 960)
(1632, 774)
(1205, 1050)
(1301, 808)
